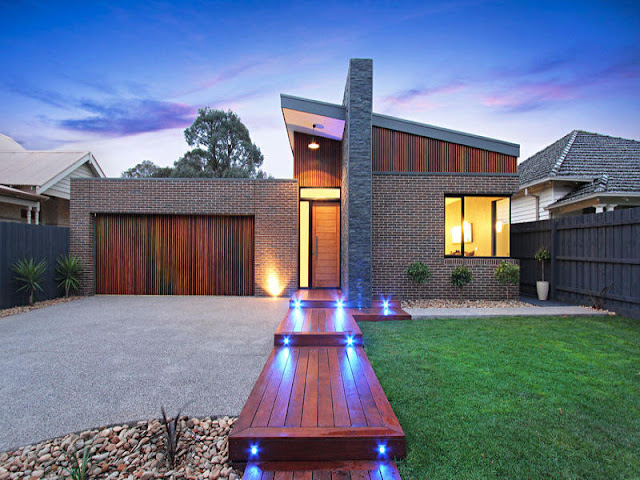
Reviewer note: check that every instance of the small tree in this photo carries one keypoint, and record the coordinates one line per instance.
(507, 274)
(68, 273)
(460, 277)
(542, 256)
(29, 274)
(419, 273)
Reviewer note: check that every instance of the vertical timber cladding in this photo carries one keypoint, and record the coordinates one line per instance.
(317, 168)
(395, 151)
(174, 254)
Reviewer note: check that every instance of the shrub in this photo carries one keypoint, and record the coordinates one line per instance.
(68, 273)
(30, 275)
(77, 470)
(461, 276)
(419, 273)
(542, 255)
(172, 434)
(507, 274)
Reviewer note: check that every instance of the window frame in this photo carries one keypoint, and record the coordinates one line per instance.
(462, 196)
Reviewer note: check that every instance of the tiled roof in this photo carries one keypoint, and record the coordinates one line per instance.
(609, 164)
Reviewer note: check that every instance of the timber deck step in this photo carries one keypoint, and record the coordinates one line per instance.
(318, 327)
(317, 404)
(337, 470)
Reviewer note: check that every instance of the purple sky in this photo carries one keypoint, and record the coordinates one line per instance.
(125, 80)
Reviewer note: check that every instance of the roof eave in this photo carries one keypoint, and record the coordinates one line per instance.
(558, 178)
(563, 203)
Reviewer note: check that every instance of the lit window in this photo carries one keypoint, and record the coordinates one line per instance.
(477, 226)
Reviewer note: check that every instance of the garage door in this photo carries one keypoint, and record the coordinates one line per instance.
(174, 255)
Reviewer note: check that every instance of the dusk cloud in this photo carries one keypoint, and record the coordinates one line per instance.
(129, 117)
(421, 98)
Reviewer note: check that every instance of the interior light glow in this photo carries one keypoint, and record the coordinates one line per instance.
(466, 229)
(499, 226)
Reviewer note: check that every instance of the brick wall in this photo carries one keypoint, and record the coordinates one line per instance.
(408, 226)
(273, 203)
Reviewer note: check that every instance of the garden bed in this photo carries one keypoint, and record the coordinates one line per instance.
(45, 303)
(446, 303)
(134, 451)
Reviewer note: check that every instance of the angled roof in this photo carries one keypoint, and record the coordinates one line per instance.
(315, 111)
(8, 144)
(41, 169)
(605, 163)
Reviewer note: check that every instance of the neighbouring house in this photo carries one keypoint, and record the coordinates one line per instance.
(582, 172)
(35, 186)
(371, 194)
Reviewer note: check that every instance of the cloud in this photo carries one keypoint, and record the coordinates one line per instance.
(528, 97)
(421, 98)
(128, 117)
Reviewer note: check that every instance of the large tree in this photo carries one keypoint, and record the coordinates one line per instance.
(221, 147)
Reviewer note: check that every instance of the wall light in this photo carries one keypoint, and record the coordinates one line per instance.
(273, 286)
(499, 226)
(466, 228)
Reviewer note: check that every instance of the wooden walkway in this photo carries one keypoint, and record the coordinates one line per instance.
(318, 400)
(348, 470)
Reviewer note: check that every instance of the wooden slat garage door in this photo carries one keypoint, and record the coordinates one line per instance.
(174, 255)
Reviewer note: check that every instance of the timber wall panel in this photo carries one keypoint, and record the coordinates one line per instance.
(395, 151)
(174, 255)
(272, 203)
(317, 168)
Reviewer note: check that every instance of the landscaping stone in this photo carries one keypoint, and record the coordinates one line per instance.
(45, 303)
(133, 452)
(446, 303)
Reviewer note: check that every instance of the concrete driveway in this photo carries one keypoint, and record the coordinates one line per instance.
(112, 359)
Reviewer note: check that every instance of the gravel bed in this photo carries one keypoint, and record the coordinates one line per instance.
(135, 452)
(442, 303)
(45, 303)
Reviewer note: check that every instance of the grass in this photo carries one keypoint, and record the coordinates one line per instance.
(527, 397)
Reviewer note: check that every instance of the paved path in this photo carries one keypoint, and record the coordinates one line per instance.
(111, 359)
(554, 310)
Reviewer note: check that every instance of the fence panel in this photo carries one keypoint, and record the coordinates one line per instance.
(20, 240)
(592, 256)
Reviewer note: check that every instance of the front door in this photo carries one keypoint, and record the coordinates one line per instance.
(325, 245)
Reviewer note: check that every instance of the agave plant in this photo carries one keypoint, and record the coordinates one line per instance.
(30, 275)
(78, 470)
(173, 432)
(68, 273)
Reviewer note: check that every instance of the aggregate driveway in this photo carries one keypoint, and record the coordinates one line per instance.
(113, 359)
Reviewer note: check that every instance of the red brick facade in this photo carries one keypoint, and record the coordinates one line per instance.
(273, 203)
(408, 226)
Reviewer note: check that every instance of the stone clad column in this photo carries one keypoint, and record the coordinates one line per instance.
(356, 184)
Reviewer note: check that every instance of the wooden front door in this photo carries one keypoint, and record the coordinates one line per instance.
(325, 245)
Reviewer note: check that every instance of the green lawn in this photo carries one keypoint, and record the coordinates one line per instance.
(522, 397)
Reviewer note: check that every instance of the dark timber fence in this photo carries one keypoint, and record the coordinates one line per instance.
(19, 240)
(592, 256)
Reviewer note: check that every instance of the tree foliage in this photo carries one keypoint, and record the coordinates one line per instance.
(221, 148)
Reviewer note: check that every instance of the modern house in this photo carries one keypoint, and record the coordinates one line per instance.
(582, 172)
(371, 194)
(35, 186)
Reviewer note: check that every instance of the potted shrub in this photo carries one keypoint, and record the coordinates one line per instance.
(460, 277)
(419, 273)
(542, 256)
(507, 274)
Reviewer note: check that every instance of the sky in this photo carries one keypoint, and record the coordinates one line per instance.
(124, 79)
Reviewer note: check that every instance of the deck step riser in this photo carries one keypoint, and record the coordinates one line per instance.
(315, 449)
(317, 340)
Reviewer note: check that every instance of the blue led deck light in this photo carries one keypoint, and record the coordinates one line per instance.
(254, 450)
(382, 449)
(385, 304)
(340, 303)
(297, 303)
(286, 340)
(350, 341)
